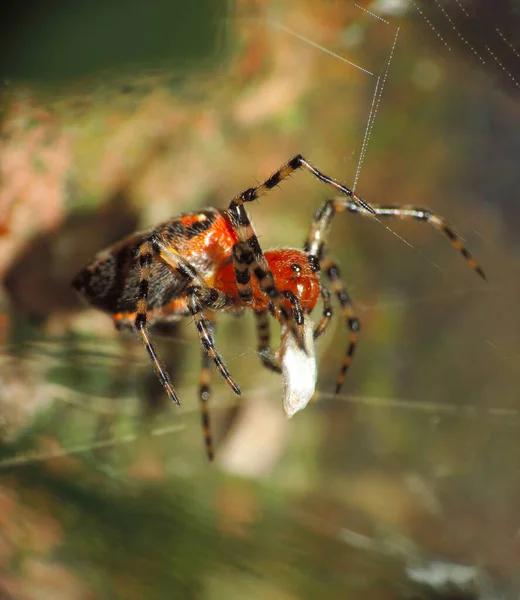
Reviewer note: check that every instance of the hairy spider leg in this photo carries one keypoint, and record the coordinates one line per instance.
(243, 258)
(165, 315)
(205, 381)
(315, 245)
(263, 332)
(299, 162)
(296, 307)
(264, 341)
(244, 264)
(249, 258)
(327, 313)
(148, 251)
(333, 273)
(330, 207)
(199, 296)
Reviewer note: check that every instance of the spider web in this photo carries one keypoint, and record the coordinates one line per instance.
(391, 389)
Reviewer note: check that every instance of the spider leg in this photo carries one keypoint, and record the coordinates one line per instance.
(154, 248)
(248, 257)
(243, 258)
(200, 298)
(296, 308)
(327, 313)
(244, 263)
(323, 218)
(204, 397)
(297, 162)
(262, 327)
(165, 315)
(264, 347)
(352, 323)
(147, 253)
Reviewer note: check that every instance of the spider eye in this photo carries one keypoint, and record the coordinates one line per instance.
(296, 267)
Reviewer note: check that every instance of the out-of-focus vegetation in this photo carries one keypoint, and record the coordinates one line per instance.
(113, 122)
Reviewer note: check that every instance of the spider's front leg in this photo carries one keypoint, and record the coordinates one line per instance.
(246, 263)
(264, 346)
(248, 259)
(315, 246)
(322, 221)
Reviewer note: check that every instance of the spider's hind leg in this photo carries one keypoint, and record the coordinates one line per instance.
(205, 381)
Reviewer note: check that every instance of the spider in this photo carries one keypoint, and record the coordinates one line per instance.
(206, 262)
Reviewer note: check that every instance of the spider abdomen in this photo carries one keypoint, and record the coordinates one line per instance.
(111, 281)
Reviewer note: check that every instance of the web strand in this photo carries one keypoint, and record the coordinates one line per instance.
(376, 100)
(431, 25)
(310, 42)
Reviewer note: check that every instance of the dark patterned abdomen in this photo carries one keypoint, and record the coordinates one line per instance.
(111, 281)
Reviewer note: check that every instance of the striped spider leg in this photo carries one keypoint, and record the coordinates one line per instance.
(327, 313)
(322, 221)
(332, 270)
(267, 358)
(205, 381)
(248, 257)
(264, 341)
(199, 296)
(315, 245)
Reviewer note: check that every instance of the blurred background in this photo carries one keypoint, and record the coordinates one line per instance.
(406, 485)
